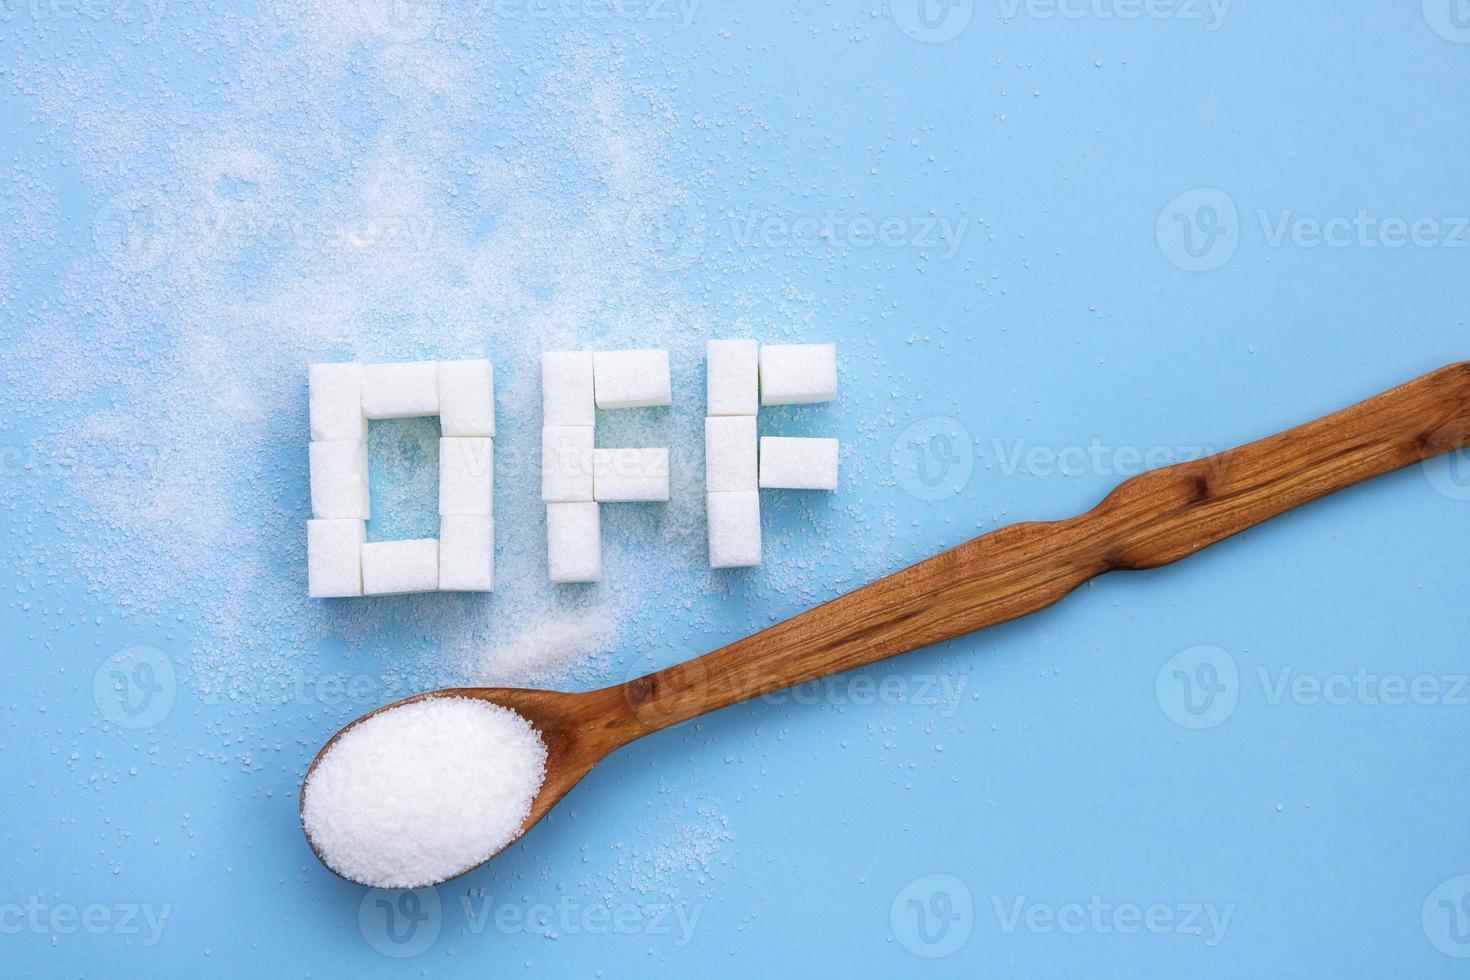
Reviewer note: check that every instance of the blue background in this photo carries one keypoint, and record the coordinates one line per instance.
(1045, 764)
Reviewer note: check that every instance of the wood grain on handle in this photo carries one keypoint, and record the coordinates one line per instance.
(1150, 520)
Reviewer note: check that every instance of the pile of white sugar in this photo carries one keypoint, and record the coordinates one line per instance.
(418, 794)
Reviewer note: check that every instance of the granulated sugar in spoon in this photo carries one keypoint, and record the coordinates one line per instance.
(428, 788)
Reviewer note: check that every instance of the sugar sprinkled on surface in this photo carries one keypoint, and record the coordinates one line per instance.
(418, 241)
(349, 196)
(423, 792)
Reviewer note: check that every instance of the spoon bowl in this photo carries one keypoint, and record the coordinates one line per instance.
(578, 730)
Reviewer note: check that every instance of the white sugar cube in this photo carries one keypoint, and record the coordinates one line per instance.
(466, 554)
(334, 558)
(733, 376)
(574, 542)
(403, 390)
(797, 374)
(466, 398)
(631, 378)
(466, 476)
(620, 475)
(336, 402)
(339, 479)
(798, 464)
(734, 528)
(399, 567)
(729, 453)
(566, 388)
(566, 463)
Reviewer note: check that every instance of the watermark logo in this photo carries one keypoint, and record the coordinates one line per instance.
(135, 687)
(133, 231)
(933, 458)
(1449, 472)
(400, 923)
(671, 232)
(398, 21)
(933, 916)
(1201, 687)
(13, 458)
(1450, 19)
(1198, 688)
(1199, 230)
(932, 21)
(1446, 917)
(655, 701)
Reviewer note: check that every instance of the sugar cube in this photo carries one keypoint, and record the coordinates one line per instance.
(798, 464)
(334, 558)
(404, 390)
(466, 398)
(734, 528)
(798, 374)
(566, 463)
(631, 378)
(729, 453)
(566, 388)
(339, 479)
(630, 474)
(336, 402)
(733, 376)
(466, 476)
(574, 542)
(466, 554)
(399, 567)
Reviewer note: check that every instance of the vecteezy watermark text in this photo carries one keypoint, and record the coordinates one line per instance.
(939, 233)
(1096, 458)
(925, 690)
(679, 13)
(1202, 920)
(1201, 230)
(1201, 687)
(568, 916)
(1210, 14)
(41, 918)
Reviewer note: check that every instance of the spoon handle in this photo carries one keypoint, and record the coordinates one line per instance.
(1150, 520)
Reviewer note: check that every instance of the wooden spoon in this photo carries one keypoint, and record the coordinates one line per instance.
(1150, 520)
